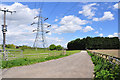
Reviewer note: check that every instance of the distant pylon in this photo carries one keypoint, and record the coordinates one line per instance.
(40, 31)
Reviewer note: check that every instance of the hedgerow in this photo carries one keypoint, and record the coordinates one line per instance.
(103, 69)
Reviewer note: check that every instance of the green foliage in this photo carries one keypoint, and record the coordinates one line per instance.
(10, 46)
(25, 47)
(104, 74)
(52, 47)
(97, 68)
(59, 47)
(94, 43)
(103, 70)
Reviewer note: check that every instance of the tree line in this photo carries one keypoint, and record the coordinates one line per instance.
(94, 43)
(51, 47)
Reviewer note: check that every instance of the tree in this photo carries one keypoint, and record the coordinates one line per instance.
(59, 47)
(52, 47)
(10, 46)
(94, 43)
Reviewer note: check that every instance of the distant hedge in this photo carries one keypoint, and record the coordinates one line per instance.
(94, 43)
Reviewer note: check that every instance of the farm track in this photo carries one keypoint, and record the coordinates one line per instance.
(78, 65)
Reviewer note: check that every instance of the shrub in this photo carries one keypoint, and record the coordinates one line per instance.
(52, 47)
(59, 47)
(104, 70)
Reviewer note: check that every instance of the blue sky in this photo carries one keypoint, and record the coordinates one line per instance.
(69, 20)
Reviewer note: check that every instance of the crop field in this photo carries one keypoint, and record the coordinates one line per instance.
(112, 52)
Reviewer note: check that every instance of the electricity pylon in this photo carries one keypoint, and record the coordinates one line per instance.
(40, 29)
(4, 30)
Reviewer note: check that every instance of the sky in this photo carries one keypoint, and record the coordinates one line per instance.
(68, 20)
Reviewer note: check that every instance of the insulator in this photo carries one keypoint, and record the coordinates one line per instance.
(47, 31)
(46, 19)
(33, 23)
(48, 26)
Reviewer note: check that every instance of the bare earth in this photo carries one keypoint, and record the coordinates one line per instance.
(112, 52)
(78, 65)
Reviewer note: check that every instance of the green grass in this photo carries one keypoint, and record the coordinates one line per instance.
(33, 56)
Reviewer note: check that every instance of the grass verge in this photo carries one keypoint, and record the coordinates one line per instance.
(33, 60)
(103, 70)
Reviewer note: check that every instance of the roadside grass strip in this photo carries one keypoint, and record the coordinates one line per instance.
(29, 59)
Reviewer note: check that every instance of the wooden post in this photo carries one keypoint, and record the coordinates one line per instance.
(64, 52)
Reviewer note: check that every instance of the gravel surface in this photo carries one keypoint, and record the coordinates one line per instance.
(78, 65)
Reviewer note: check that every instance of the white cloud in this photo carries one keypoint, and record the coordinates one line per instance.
(23, 15)
(88, 10)
(56, 20)
(100, 35)
(19, 29)
(72, 19)
(114, 35)
(107, 16)
(56, 41)
(95, 19)
(96, 32)
(69, 24)
(88, 28)
(110, 36)
(54, 26)
(115, 6)
(50, 33)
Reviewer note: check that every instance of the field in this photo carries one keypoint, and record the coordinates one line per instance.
(111, 52)
(31, 56)
(39, 53)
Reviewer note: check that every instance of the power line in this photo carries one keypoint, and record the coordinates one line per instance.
(69, 10)
(4, 30)
(53, 9)
(42, 5)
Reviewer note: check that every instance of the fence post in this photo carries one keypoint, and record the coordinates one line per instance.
(22, 54)
(64, 52)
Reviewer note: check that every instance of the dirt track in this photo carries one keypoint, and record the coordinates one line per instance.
(78, 65)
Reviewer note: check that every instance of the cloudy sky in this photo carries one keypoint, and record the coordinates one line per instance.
(69, 20)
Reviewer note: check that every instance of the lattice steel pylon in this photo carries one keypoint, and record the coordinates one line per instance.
(40, 31)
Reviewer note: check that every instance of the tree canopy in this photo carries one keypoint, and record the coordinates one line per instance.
(54, 47)
(94, 43)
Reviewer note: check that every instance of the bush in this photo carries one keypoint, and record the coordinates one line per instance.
(10, 46)
(103, 70)
(59, 47)
(52, 47)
